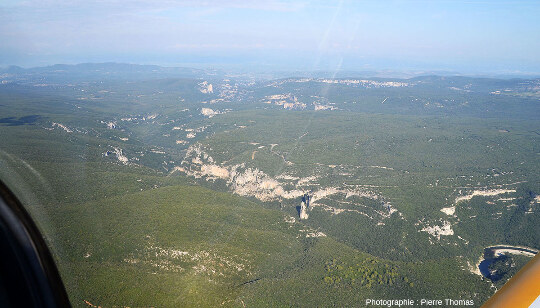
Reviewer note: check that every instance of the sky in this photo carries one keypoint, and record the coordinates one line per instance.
(465, 36)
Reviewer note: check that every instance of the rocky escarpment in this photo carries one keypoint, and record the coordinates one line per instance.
(253, 182)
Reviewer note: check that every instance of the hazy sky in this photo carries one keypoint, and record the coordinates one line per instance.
(456, 35)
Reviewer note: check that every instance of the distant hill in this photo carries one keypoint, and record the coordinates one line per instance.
(99, 71)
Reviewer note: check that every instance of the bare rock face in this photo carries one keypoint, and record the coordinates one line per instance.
(303, 211)
(209, 112)
(206, 87)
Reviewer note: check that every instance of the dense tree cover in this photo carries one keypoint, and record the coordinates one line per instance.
(504, 267)
(365, 273)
